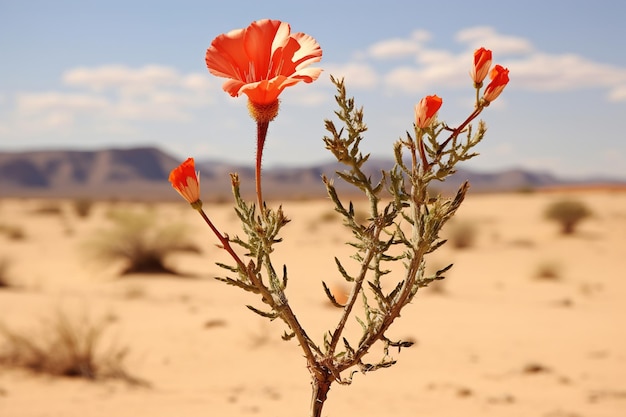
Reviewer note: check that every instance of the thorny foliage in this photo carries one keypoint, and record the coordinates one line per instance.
(404, 226)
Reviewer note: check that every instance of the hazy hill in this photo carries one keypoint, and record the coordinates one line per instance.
(141, 173)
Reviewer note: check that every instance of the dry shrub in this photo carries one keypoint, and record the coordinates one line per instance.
(49, 208)
(462, 234)
(548, 271)
(12, 232)
(82, 207)
(142, 244)
(329, 216)
(568, 213)
(5, 281)
(65, 346)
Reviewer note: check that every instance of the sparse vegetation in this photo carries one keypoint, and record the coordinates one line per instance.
(5, 282)
(141, 243)
(65, 346)
(82, 207)
(12, 232)
(461, 234)
(548, 271)
(568, 213)
(328, 216)
(49, 208)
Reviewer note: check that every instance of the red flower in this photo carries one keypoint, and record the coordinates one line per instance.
(186, 180)
(499, 79)
(482, 62)
(263, 59)
(426, 110)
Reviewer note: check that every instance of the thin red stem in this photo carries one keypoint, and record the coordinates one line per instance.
(260, 142)
(223, 240)
(456, 132)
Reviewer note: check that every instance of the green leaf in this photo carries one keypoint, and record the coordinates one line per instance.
(331, 297)
(270, 315)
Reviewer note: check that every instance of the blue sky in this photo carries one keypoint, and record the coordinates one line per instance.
(93, 74)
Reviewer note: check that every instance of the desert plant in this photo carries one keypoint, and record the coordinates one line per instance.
(141, 243)
(403, 229)
(548, 271)
(5, 281)
(65, 345)
(461, 234)
(12, 232)
(82, 207)
(49, 208)
(568, 213)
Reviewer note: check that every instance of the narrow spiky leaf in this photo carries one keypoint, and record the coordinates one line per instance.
(331, 296)
(269, 314)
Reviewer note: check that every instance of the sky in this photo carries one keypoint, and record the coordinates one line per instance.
(98, 74)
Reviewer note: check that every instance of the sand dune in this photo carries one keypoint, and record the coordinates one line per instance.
(494, 340)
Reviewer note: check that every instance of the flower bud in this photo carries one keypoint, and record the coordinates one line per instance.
(426, 111)
(482, 63)
(186, 180)
(499, 79)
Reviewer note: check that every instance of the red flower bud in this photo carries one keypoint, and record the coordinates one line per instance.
(482, 63)
(426, 110)
(499, 79)
(185, 179)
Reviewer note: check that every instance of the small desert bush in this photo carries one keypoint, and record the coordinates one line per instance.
(82, 207)
(140, 242)
(328, 216)
(548, 271)
(461, 234)
(12, 232)
(49, 208)
(64, 345)
(5, 282)
(568, 213)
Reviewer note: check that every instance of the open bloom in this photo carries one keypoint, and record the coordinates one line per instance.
(499, 79)
(186, 180)
(426, 111)
(482, 63)
(263, 59)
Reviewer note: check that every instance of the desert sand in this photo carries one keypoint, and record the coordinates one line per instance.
(493, 340)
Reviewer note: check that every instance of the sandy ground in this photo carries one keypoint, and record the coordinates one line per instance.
(494, 340)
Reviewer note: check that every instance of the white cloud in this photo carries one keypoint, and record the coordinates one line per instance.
(485, 36)
(436, 72)
(119, 77)
(36, 113)
(111, 95)
(118, 98)
(530, 68)
(309, 98)
(398, 48)
(540, 71)
(197, 82)
(357, 74)
(54, 100)
(617, 93)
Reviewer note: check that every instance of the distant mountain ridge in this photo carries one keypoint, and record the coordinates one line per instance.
(141, 173)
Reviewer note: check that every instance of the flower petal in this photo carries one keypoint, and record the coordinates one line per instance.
(263, 59)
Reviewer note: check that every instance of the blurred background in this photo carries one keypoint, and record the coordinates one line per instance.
(93, 75)
(106, 275)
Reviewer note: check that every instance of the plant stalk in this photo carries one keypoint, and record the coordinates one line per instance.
(260, 143)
